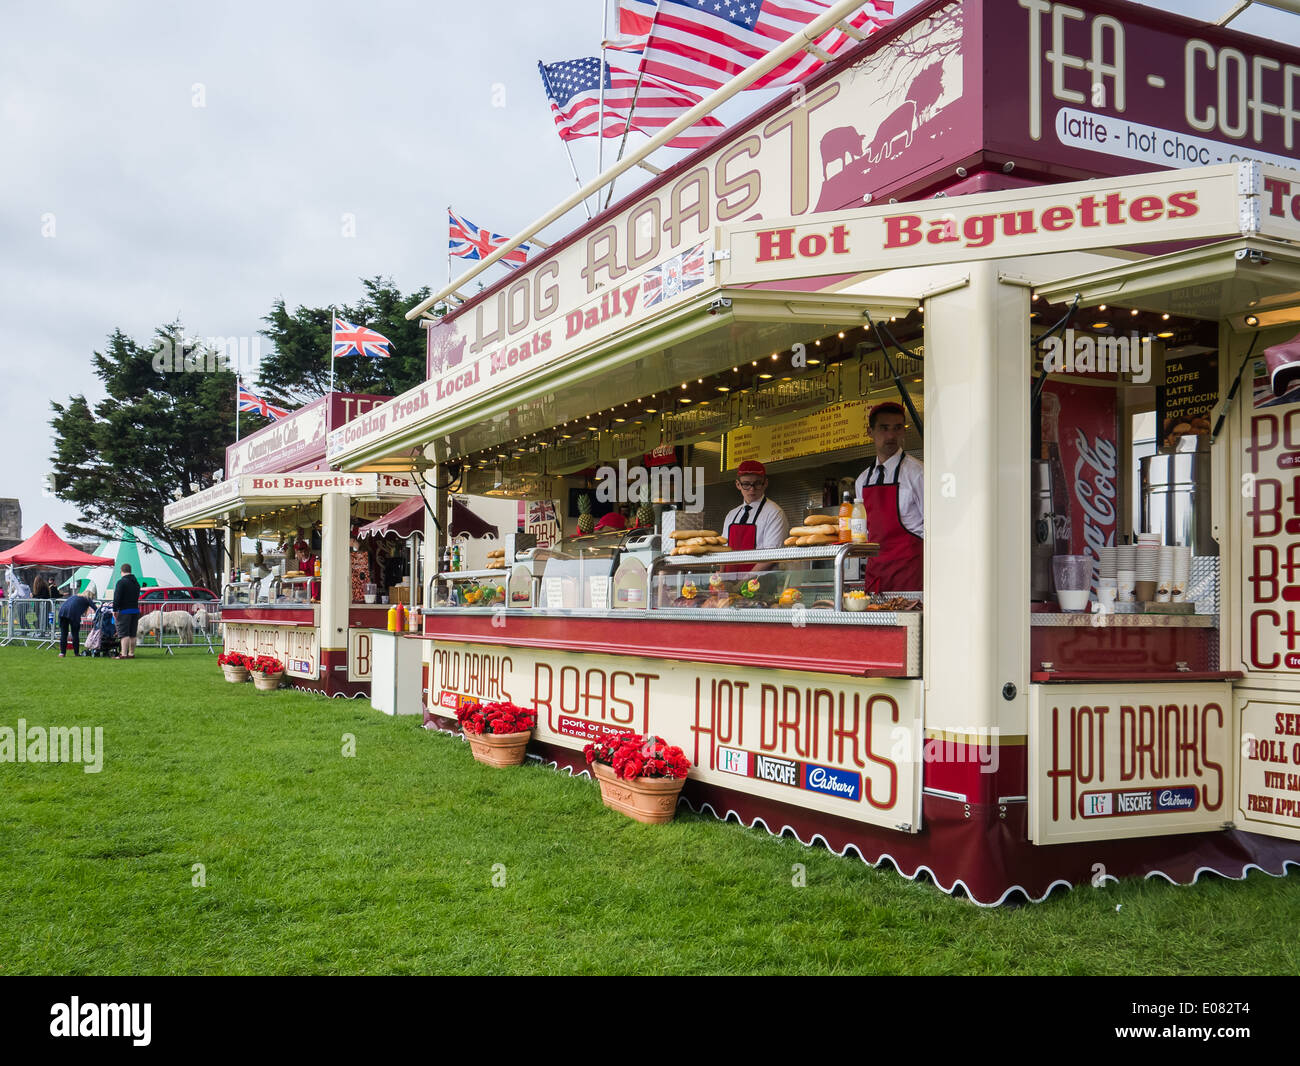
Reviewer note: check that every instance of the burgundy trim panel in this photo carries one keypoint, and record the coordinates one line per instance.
(283, 616)
(856, 651)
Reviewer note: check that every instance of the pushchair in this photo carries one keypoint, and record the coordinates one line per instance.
(109, 643)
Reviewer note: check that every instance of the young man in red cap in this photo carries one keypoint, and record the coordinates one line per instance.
(893, 491)
(758, 523)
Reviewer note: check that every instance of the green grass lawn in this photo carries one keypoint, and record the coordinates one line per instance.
(384, 862)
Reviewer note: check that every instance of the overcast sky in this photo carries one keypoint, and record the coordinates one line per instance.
(164, 161)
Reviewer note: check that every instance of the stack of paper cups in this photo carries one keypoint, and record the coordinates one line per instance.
(1182, 573)
(1126, 571)
(1109, 561)
(1148, 566)
(1165, 575)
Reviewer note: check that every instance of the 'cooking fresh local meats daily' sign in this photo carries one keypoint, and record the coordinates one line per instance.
(846, 748)
(1108, 761)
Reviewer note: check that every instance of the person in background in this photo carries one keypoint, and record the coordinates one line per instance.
(70, 621)
(893, 491)
(615, 520)
(758, 524)
(126, 611)
(41, 589)
(307, 564)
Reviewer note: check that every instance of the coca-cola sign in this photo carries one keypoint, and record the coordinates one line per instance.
(1089, 459)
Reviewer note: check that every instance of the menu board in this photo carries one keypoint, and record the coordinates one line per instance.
(842, 425)
(1188, 396)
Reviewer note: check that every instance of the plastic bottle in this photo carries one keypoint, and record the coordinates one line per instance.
(400, 613)
(392, 619)
(858, 523)
(317, 567)
(846, 519)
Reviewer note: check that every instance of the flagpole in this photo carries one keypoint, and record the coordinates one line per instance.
(546, 82)
(640, 73)
(331, 388)
(604, 69)
(237, 383)
(449, 249)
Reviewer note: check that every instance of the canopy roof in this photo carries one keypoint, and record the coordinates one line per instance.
(47, 548)
(151, 562)
(403, 520)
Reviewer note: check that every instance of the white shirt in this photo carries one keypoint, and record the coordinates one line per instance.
(773, 526)
(911, 489)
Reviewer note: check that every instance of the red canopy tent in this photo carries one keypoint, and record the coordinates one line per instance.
(47, 548)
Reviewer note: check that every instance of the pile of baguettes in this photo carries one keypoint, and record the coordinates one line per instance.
(816, 529)
(496, 559)
(697, 542)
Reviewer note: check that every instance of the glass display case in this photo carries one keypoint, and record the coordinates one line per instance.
(816, 578)
(468, 588)
(579, 576)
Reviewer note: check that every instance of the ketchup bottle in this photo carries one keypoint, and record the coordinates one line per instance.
(846, 519)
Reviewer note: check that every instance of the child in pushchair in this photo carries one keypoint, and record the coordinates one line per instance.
(103, 640)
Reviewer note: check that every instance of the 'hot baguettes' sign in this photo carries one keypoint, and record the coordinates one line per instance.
(1141, 209)
(848, 748)
(1127, 760)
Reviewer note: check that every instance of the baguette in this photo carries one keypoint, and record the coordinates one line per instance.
(690, 534)
(821, 539)
(815, 531)
(820, 520)
(789, 541)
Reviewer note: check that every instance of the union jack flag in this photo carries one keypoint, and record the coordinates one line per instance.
(709, 42)
(467, 241)
(673, 276)
(251, 403)
(358, 340)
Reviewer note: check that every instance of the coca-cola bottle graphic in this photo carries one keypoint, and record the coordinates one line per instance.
(1061, 517)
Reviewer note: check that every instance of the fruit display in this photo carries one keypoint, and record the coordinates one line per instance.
(586, 520)
(789, 598)
(750, 589)
(716, 584)
(690, 590)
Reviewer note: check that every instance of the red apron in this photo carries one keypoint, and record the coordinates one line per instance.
(743, 538)
(900, 565)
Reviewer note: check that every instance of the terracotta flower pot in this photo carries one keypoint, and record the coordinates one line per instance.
(234, 674)
(508, 749)
(268, 682)
(652, 800)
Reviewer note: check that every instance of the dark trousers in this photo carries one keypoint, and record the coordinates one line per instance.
(72, 626)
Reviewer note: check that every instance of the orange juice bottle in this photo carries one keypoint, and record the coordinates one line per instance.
(846, 519)
(858, 523)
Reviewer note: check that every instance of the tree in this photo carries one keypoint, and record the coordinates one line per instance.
(159, 435)
(298, 370)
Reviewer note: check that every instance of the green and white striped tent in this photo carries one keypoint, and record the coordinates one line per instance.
(152, 563)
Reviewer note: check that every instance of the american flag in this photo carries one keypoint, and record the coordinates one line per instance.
(467, 241)
(574, 89)
(709, 42)
(251, 403)
(635, 16)
(673, 276)
(358, 340)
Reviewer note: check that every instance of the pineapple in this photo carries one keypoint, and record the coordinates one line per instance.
(645, 514)
(586, 520)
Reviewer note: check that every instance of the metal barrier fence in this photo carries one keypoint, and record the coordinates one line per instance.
(170, 627)
(29, 621)
(180, 625)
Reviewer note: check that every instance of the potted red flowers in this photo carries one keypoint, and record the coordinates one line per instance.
(641, 776)
(497, 732)
(234, 665)
(267, 672)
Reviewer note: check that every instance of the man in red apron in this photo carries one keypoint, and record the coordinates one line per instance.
(892, 490)
(758, 523)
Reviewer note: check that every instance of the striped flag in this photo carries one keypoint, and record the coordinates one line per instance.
(467, 241)
(251, 403)
(358, 340)
(574, 90)
(635, 16)
(709, 42)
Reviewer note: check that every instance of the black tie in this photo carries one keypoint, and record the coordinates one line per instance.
(880, 472)
(744, 516)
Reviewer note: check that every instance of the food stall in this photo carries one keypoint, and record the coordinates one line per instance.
(278, 487)
(1058, 309)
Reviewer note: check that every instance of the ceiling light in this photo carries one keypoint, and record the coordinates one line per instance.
(840, 334)
(1252, 321)
(1101, 307)
(1165, 336)
(1100, 325)
(764, 376)
(1134, 311)
(1165, 316)
(686, 399)
(723, 388)
(814, 362)
(652, 410)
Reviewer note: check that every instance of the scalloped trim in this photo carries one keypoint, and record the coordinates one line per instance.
(951, 890)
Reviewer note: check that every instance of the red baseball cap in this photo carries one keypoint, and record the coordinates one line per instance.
(751, 466)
